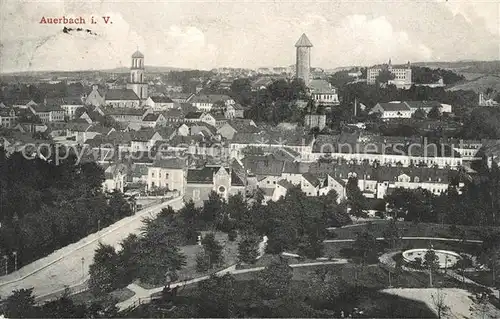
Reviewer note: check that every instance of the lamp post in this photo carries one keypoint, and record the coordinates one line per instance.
(6, 259)
(83, 271)
(15, 260)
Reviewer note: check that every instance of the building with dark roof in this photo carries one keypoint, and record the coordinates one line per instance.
(202, 181)
(122, 98)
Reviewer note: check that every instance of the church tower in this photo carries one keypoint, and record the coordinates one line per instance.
(303, 65)
(136, 81)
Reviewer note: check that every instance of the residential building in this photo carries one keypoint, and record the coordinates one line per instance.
(7, 117)
(200, 117)
(153, 120)
(128, 115)
(206, 102)
(144, 141)
(114, 178)
(392, 110)
(323, 93)
(168, 174)
(233, 126)
(160, 103)
(48, 113)
(234, 111)
(180, 97)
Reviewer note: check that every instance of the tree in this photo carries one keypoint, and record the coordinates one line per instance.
(419, 114)
(438, 300)
(248, 249)
(104, 271)
(275, 279)
(216, 297)
(384, 76)
(434, 113)
(355, 198)
(365, 247)
(431, 262)
(21, 304)
(159, 256)
(392, 233)
(213, 209)
(202, 261)
(118, 206)
(63, 307)
(129, 258)
(213, 249)
(190, 215)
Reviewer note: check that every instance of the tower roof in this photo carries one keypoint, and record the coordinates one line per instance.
(137, 54)
(303, 41)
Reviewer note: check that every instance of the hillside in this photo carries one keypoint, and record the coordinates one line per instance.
(479, 84)
(483, 67)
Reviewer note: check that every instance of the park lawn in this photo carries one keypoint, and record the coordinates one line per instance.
(230, 253)
(86, 297)
(481, 277)
(411, 229)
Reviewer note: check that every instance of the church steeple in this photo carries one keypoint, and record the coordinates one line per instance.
(137, 83)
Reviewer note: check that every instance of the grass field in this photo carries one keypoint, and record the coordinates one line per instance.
(230, 253)
(410, 229)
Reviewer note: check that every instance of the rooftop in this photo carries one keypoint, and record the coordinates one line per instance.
(303, 41)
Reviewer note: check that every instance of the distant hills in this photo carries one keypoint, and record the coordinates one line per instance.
(473, 67)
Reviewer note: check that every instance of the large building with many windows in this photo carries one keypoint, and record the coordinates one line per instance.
(402, 75)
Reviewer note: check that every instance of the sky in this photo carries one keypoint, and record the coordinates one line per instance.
(249, 34)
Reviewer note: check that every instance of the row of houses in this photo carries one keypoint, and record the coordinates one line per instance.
(274, 176)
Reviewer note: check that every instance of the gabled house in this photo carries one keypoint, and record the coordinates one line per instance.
(392, 110)
(95, 97)
(143, 141)
(310, 184)
(180, 97)
(114, 178)
(200, 117)
(227, 130)
(281, 189)
(153, 120)
(160, 103)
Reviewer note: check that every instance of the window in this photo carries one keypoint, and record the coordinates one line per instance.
(222, 189)
(153, 174)
(274, 182)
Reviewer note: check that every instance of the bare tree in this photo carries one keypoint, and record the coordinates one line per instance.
(438, 300)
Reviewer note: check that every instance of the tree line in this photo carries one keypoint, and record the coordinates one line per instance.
(45, 206)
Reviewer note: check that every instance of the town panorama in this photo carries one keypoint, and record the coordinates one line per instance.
(362, 184)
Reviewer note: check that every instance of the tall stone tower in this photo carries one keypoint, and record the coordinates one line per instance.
(136, 81)
(303, 65)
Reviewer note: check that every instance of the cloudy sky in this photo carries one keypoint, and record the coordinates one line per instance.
(259, 33)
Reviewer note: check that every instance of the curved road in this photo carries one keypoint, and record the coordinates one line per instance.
(64, 267)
